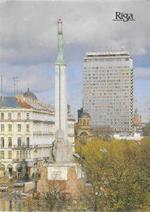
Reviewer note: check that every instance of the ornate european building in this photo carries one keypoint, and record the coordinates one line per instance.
(83, 129)
(27, 130)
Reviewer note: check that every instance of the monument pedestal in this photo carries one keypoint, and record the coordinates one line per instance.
(67, 178)
(64, 178)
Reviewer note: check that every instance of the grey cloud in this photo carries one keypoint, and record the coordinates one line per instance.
(28, 39)
(28, 28)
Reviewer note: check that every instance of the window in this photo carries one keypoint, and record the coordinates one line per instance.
(23, 153)
(26, 154)
(84, 122)
(19, 127)
(2, 142)
(2, 116)
(9, 116)
(28, 141)
(17, 154)
(29, 154)
(9, 154)
(2, 128)
(28, 128)
(9, 127)
(27, 116)
(2, 155)
(20, 154)
(19, 116)
(19, 141)
(9, 142)
(80, 121)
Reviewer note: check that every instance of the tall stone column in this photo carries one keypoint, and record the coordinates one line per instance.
(62, 149)
(60, 89)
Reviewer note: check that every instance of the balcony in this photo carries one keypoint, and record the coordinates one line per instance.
(26, 147)
(21, 147)
(39, 133)
(16, 160)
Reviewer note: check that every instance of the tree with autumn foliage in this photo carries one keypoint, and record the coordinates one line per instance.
(118, 172)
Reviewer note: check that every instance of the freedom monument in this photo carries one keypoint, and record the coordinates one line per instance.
(63, 172)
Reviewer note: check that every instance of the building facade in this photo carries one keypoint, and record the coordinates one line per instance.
(108, 90)
(27, 130)
(83, 129)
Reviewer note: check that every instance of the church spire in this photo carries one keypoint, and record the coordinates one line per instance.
(60, 56)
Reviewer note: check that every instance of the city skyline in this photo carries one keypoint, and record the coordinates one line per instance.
(28, 44)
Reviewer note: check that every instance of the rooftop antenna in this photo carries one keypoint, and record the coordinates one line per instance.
(17, 85)
(15, 79)
(1, 87)
(14, 86)
(21, 87)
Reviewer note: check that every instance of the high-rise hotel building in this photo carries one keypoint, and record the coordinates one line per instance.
(108, 89)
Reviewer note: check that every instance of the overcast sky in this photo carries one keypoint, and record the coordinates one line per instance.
(28, 43)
